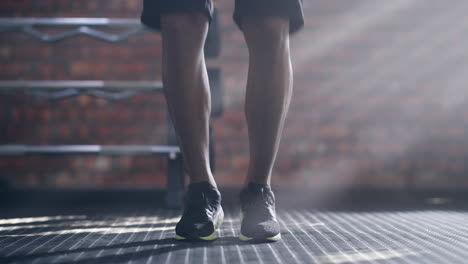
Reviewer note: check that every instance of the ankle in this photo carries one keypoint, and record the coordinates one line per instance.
(257, 184)
(203, 185)
(212, 183)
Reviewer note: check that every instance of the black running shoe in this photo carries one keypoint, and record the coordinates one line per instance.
(258, 216)
(202, 214)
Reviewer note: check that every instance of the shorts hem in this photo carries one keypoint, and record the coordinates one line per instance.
(295, 24)
(153, 21)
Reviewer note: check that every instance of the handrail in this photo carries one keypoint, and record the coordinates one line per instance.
(85, 84)
(83, 26)
(13, 149)
(100, 89)
(69, 21)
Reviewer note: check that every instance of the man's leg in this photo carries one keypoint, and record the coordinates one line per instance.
(187, 92)
(186, 88)
(269, 90)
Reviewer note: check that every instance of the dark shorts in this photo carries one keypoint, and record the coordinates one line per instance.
(291, 9)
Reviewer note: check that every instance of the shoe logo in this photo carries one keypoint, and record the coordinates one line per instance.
(198, 226)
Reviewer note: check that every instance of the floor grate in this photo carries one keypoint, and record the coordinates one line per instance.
(309, 236)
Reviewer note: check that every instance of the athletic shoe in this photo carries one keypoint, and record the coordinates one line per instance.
(258, 216)
(202, 213)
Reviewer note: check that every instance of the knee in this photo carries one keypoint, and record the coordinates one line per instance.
(184, 24)
(259, 31)
(184, 35)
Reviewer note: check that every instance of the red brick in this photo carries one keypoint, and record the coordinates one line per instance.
(89, 68)
(134, 5)
(148, 52)
(103, 131)
(84, 100)
(131, 67)
(92, 5)
(83, 131)
(64, 131)
(46, 114)
(114, 53)
(90, 162)
(44, 132)
(11, 69)
(5, 52)
(39, 52)
(16, 115)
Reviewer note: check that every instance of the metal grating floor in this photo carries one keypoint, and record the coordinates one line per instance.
(309, 236)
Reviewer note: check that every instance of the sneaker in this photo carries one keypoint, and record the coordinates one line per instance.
(202, 213)
(258, 216)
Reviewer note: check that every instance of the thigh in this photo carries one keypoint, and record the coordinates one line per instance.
(153, 9)
(291, 9)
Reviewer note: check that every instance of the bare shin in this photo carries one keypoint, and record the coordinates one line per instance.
(269, 90)
(186, 89)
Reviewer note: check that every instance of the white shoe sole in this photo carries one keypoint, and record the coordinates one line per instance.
(242, 237)
(273, 238)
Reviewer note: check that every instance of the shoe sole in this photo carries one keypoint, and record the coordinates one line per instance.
(273, 238)
(214, 235)
(242, 237)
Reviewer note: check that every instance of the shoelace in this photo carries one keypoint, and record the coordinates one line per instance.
(260, 204)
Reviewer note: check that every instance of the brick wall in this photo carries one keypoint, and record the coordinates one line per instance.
(378, 98)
